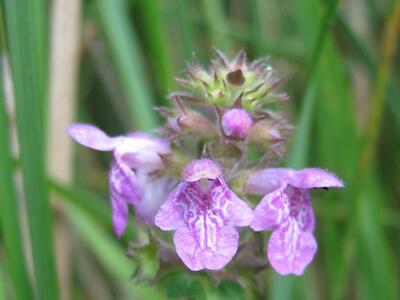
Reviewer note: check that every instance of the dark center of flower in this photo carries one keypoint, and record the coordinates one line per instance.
(236, 77)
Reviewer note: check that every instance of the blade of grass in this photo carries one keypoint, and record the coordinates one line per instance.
(128, 62)
(266, 35)
(214, 16)
(93, 205)
(25, 43)
(285, 48)
(9, 211)
(155, 33)
(366, 158)
(362, 54)
(284, 287)
(187, 32)
(2, 281)
(377, 276)
(334, 105)
(109, 253)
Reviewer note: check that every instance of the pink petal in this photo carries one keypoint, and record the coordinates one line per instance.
(155, 192)
(92, 137)
(311, 178)
(201, 169)
(272, 211)
(119, 213)
(265, 181)
(290, 250)
(142, 151)
(300, 208)
(145, 160)
(145, 140)
(238, 211)
(213, 255)
(170, 215)
(138, 141)
(123, 182)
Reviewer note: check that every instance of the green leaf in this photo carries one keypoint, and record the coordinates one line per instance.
(377, 276)
(9, 211)
(2, 281)
(155, 34)
(108, 252)
(91, 204)
(217, 24)
(315, 37)
(147, 260)
(186, 29)
(25, 31)
(128, 61)
(183, 286)
(229, 290)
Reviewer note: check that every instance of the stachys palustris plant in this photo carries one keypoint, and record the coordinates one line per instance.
(213, 170)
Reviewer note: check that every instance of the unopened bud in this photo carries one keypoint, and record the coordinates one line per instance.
(264, 131)
(192, 122)
(236, 123)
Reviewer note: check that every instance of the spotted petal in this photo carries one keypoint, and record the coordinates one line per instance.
(238, 212)
(123, 182)
(220, 246)
(300, 208)
(92, 137)
(119, 213)
(272, 210)
(170, 215)
(124, 189)
(290, 249)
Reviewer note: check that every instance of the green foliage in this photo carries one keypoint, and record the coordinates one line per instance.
(184, 286)
(25, 31)
(10, 226)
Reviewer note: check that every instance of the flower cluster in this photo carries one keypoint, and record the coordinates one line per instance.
(202, 178)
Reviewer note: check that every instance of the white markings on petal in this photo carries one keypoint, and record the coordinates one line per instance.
(272, 211)
(208, 209)
(290, 249)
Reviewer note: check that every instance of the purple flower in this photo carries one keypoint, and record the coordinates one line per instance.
(134, 151)
(203, 210)
(286, 210)
(155, 192)
(236, 123)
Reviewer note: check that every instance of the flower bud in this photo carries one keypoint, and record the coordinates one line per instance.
(236, 123)
(265, 133)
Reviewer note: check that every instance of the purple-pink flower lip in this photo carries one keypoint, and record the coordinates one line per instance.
(204, 211)
(201, 169)
(286, 210)
(131, 153)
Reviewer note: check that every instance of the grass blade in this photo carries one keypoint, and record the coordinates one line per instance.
(90, 204)
(285, 287)
(109, 253)
(217, 24)
(25, 39)
(2, 281)
(128, 62)
(153, 27)
(187, 30)
(9, 211)
(365, 161)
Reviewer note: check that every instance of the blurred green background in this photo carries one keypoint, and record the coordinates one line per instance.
(108, 62)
